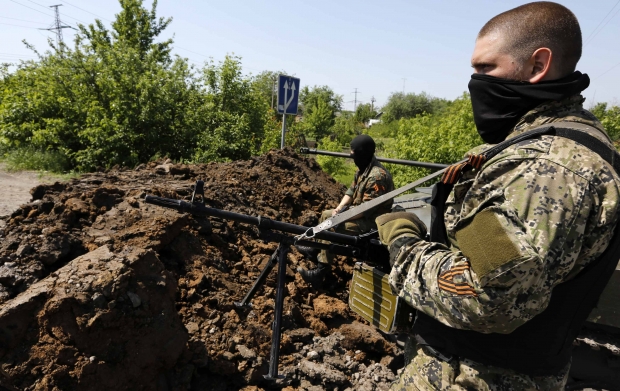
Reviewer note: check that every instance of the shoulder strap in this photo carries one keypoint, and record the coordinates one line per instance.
(578, 132)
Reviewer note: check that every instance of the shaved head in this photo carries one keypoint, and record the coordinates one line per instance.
(527, 28)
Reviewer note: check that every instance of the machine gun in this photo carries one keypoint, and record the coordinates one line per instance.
(432, 166)
(363, 247)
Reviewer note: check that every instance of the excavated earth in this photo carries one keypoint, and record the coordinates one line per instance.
(100, 291)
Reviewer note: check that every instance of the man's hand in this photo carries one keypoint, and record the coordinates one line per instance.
(391, 226)
(335, 212)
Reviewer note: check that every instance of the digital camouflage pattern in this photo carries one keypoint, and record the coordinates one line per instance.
(375, 181)
(425, 372)
(549, 205)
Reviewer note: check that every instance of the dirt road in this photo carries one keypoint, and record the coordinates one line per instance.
(15, 189)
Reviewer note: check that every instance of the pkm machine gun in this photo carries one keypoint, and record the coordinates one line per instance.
(363, 247)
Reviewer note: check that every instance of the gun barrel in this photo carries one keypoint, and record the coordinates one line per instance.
(432, 166)
(261, 222)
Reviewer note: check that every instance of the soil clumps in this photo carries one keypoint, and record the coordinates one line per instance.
(99, 290)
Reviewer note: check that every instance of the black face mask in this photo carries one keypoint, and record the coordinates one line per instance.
(363, 147)
(498, 104)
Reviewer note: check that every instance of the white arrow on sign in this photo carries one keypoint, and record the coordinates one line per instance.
(288, 101)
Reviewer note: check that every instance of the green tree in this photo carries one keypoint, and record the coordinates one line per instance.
(319, 106)
(309, 98)
(341, 169)
(266, 83)
(319, 118)
(610, 118)
(364, 112)
(235, 114)
(409, 105)
(346, 127)
(438, 138)
(116, 97)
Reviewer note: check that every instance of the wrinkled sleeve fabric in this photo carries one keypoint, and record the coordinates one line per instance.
(376, 185)
(519, 234)
(351, 190)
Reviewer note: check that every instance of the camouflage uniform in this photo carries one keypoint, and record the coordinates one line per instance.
(372, 183)
(532, 217)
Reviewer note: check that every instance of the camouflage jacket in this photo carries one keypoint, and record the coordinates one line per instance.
(532, 217)
(372, 183)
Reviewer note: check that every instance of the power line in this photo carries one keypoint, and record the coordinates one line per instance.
(595, 32)
(607, 71)
(34, 9)
(355, 103)
(21, 20)
(41, 5)
(15, 54)
(58, 26)
(17, 25)
(101, 17)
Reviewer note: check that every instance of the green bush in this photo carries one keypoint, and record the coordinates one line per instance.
(438, 138)
(30, 159)
(341, 169)
(610, 118)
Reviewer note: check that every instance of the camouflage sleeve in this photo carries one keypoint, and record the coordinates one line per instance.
(376, 185)
(351, 190)
(521, 233)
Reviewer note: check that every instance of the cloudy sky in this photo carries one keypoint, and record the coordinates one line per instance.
(374, 47)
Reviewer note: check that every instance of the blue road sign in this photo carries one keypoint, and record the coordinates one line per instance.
(288, 94)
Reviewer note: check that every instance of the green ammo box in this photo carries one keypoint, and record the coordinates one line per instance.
(371, 297)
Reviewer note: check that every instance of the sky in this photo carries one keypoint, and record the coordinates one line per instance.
(376, 48)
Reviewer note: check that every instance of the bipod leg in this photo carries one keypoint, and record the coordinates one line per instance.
(259, 280)
(274, 356)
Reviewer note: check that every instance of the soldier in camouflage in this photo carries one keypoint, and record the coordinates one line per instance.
(371, 181)
(532, 217)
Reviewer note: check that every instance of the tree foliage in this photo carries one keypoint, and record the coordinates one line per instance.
(409, 105)
(439, 138)
(319, 106)
(234, 114)
(117, 97)
(364, 112)
(610, 118)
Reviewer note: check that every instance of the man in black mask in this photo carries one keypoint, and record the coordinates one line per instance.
(500, 301)
(371, 180)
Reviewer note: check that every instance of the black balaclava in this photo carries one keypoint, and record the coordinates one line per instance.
(363, 147)
(498, 104)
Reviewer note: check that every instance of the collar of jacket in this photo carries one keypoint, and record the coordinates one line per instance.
(372, 163)
(548, 112)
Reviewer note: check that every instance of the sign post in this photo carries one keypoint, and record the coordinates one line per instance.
(288, 100)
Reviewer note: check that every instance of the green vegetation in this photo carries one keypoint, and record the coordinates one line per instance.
(341, 169)
(118, 97)
(610, 118)
(444, 137)
(409, 105)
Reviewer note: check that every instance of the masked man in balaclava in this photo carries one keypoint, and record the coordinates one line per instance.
(501, 298)
(371, 180)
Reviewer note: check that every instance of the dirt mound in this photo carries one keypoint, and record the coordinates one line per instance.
(102, 291)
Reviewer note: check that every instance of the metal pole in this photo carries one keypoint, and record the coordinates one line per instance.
(273, 90)
(413, 163)
(283, 129)
(276, 334)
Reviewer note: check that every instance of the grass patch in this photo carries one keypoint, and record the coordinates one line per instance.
(34, 160)
(345, 176)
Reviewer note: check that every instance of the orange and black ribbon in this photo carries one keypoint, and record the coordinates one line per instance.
(454, 172)
(446, 282)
